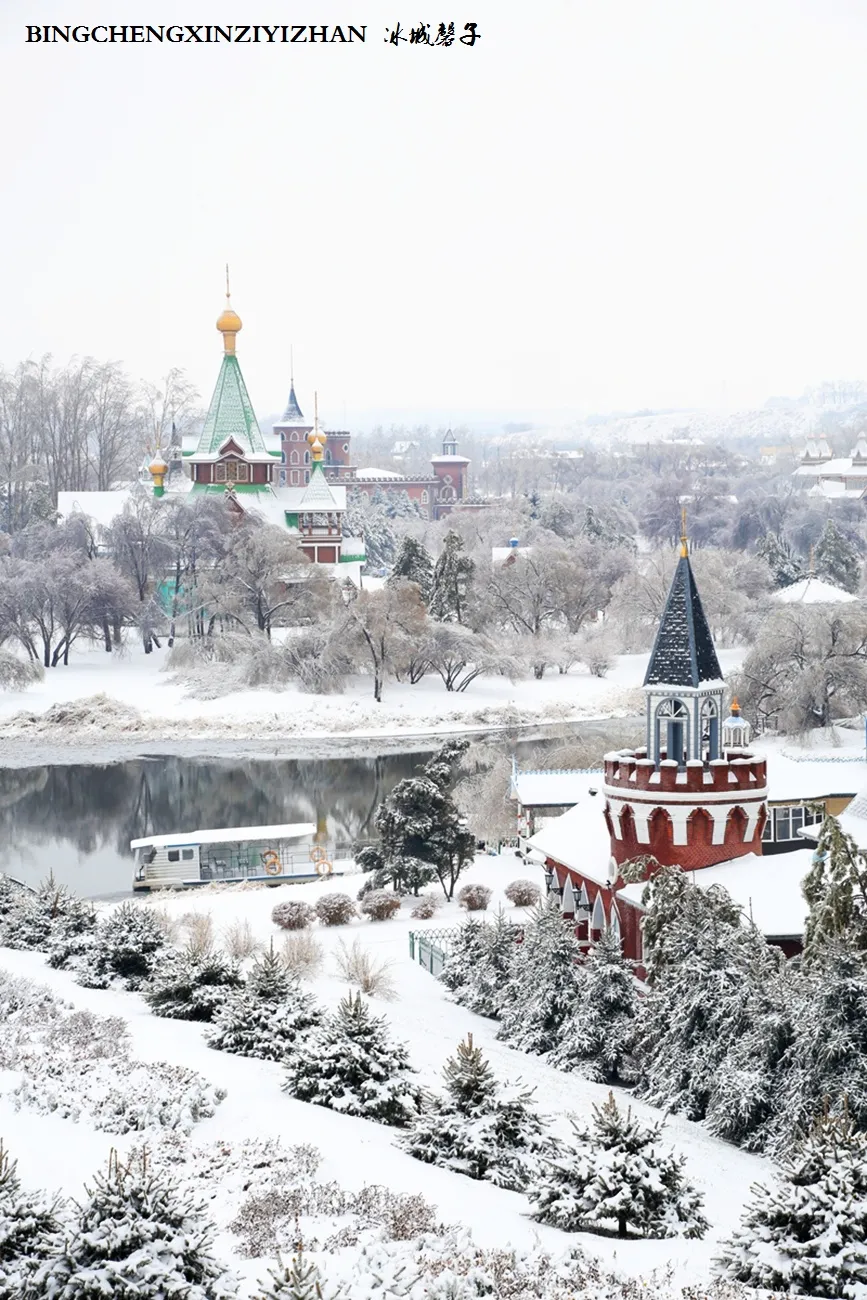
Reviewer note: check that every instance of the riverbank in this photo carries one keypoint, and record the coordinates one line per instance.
(101, 699)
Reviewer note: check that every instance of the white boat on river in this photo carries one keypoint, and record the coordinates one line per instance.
(240, 853)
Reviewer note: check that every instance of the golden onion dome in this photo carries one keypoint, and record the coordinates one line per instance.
(157, 465)
(229, 322)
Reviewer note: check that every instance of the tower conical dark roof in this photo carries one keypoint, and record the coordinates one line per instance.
(293, 410)
(683, 652)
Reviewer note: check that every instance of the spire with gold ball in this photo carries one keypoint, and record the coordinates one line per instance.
(158, 470)
(314, 437)
(229, 322)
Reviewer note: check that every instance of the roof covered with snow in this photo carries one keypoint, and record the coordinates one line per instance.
(767, 889)
(813, 591)
(843, 466)
(579, 838)
(795, 775)
(683, 653)
(232, 835)
(555, 788)
(370, 474)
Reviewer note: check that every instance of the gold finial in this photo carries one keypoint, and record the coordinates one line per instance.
(229, 322)
(736, 708)
(314, 437)
(684, 540)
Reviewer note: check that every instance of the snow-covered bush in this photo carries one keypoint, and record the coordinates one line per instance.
(479, 1128)
(190, 985)
(295, 915)
(380, 905)
(136, 1233)
(475, 898)
(138, 1096)
(239, 940)
(17, 674)
(296, 1280)
(37, 918)
(28, 1011)
(598, 1039)
(427, 906)
(30, 1232)
(335, 909)
(86, 1036)
(265, 1017)
(523, 893)
(357, 965)
(351, 1065)
(302, 954)
(807, 1234)
(126, 946)
(615, 1179)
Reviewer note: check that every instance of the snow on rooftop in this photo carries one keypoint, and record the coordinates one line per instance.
(371, 473)
(768, 889)
(555, 788)
(579, 838)
(813, 591)
(814, 774)
(842, 465)
(230, 835)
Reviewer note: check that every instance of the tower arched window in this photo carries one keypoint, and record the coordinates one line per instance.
(709, 730)
(671, 730)
(293, 458)
(614, 922)
(307, 458)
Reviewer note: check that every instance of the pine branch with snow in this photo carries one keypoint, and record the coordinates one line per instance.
(31, 1232)
(265, 1017)
(545, 983)
(598, 1040)
(192, 985)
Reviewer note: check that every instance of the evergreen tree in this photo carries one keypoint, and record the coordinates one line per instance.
(192, 985)
(784, 566)
(452, 575)
(136, 1236)
(837, 558)
(836, 891)
(807, 1234)
(350, 1064)
(479, 1128)
(30, 1233)
(465, 956)
(545, 984)
(34, 918)
(265, 1017)
(126, 946)
(484, 989)
(616, 1178)
(298, 1280)
(824, 1063)
(415, 564)
(599, 1037)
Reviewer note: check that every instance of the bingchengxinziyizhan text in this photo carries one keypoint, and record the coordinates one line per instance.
(435, 35)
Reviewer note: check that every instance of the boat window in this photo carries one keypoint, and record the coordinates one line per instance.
(174, 855)
(188, 854)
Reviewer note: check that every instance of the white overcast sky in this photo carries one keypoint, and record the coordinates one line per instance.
(606, 203)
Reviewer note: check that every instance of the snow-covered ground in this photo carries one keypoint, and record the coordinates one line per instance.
(59, 1153)
(106, 696)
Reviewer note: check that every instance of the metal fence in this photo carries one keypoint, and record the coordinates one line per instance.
(430, 948)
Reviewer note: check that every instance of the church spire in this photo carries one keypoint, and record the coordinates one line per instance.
(229, 322)
(683, 653)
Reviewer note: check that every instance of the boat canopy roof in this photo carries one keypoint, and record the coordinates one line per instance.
(232, 835)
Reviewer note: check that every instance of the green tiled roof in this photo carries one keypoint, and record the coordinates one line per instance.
(230, 414)
(236, 487)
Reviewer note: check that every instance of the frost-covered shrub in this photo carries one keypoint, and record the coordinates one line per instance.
(27, 1012)
(35, 918)
(296, 915)
(198, 929)
(139, 1096)
(265, 1017)
(523, 893)
(380, 905)
(17, 674)
(427, 906)
(357, 965)
(317, 662)
(85, 1036)
(126, 946)
(240, 942)
(475, 898)
(190, 985)
(302, 954)
(335, 909)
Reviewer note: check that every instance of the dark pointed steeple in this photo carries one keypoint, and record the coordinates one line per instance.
(683, 653)
(293, 413)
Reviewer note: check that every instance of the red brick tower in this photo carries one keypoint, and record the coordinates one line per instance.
(694, 794)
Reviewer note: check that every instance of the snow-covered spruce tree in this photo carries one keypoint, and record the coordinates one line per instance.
(192, 985)
(265, 1017)
(546, 980)
(836, 891)
(351, 1064)
(807, 1234)
(414, 563)
(785, 567)
(487, 979)
(714, 985)
(126, 946)
(298, 1280)
(36, 918)
(453, 573)
(464, 957)
(599, 1037)
(30, 1232)
(136, 1236)
(824, 1064)
(838, 558)
(479, 1128)
(616, 1179)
